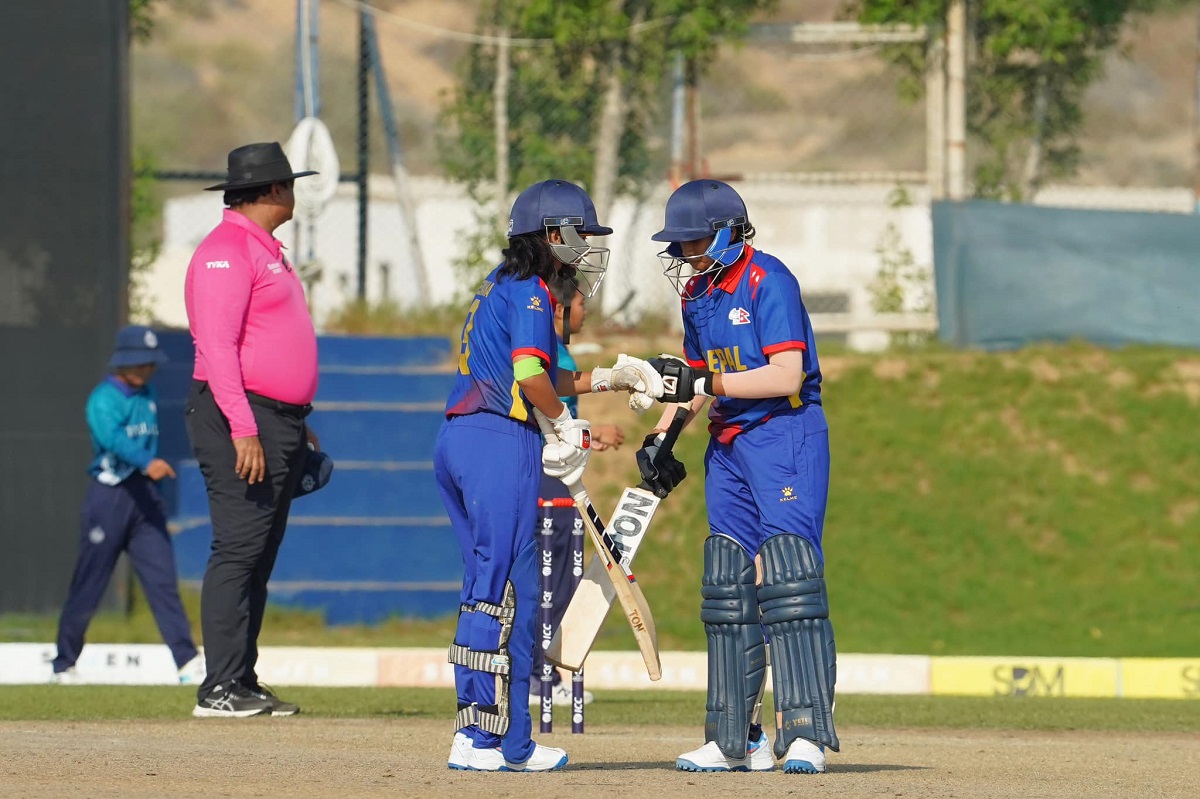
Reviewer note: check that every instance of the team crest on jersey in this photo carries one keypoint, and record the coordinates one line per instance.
(789, 494)
(535, 303)
(739, 316)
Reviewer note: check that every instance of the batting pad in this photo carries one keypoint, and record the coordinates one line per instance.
(795, 611)
(737, 656)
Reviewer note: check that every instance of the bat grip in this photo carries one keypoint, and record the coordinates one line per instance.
(672, 434)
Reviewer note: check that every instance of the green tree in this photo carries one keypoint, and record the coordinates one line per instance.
(584, 94)
(1030, 62)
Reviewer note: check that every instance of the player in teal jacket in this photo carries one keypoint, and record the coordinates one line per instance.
(123, 509)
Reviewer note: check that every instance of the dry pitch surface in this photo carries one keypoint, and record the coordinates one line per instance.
(302, 757)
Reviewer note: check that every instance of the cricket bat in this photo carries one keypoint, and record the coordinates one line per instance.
(620, 579)
(590, 603)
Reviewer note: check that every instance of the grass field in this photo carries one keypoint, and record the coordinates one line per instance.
(616, 708)
(1039, 502)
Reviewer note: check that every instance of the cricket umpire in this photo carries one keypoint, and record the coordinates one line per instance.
(253, 384)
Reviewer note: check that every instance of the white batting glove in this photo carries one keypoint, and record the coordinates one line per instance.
(639, 402)
(628, 374)
(566, 458)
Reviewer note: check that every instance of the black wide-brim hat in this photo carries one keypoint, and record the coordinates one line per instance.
(258, 164)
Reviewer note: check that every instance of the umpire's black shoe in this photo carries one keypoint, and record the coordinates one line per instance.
(231, 701)
(278, 706)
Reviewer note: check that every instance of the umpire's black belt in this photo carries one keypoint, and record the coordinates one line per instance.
(286, 408)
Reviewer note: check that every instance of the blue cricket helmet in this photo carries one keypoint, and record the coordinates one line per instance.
(554, 203)
(701, 208)
(697, 210)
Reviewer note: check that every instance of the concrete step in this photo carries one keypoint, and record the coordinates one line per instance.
(345, 550)
(357, 489)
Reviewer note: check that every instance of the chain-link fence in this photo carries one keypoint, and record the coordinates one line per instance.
(812, 121)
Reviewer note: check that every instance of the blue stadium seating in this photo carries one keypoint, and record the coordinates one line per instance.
(375, 542)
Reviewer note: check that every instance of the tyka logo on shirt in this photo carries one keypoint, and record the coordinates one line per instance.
(218, 264)
(739, 316)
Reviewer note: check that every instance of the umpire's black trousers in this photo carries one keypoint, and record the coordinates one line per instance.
(248, 523)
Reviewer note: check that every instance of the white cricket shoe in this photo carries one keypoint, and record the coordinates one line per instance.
(710, 758)
(544, 758)
(68, 677)
(193, 672)
(460, 752)
(804, 757)
(562, 696)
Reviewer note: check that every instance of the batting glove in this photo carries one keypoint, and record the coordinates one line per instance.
(627, 374)
(662, 477)
(566, 458)
(682, 383)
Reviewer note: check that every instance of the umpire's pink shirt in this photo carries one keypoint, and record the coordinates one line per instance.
(250, 321)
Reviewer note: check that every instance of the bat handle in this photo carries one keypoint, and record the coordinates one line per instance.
(672, 435)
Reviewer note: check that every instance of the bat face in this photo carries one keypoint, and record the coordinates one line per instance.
(595, 594)
(628, 524)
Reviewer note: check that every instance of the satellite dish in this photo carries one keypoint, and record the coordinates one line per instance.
(311, 147)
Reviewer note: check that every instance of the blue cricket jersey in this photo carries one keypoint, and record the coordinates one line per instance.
(751, 312)
(123, 422)
(507, 318)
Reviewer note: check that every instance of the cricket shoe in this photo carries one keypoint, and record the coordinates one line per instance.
(278, 706)
(193, 672)
(231, 701)
(460, 752)
(67, 677)
(544, 758)
(561, 696)
(710, 758)
(804, 757)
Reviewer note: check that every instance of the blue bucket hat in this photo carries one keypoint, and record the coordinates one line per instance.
(136, 346)
(318, 468)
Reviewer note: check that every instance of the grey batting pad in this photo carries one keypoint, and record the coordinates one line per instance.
(795, 611)
(737, 660)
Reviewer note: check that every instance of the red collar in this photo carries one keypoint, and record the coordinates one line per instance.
(733, 274)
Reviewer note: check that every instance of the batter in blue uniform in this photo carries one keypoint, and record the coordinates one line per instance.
(123, 509)
(748, 343)
(487, 462)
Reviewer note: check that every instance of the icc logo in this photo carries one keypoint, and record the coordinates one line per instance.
(788, 494)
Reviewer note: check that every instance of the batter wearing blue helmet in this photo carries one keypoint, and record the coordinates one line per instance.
(749, 345)
(487, 460)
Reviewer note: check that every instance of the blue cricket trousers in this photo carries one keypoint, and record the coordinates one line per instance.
(128, 517)
(488, 471)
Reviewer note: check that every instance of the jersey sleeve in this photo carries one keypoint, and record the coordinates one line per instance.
(106, 421)
(779, 317)
(691, 345)
(221, 299)
(531, 322)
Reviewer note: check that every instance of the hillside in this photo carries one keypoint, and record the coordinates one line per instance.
(221, 72)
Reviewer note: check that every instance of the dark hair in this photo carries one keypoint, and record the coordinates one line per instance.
(526, 256)
(235, 198)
